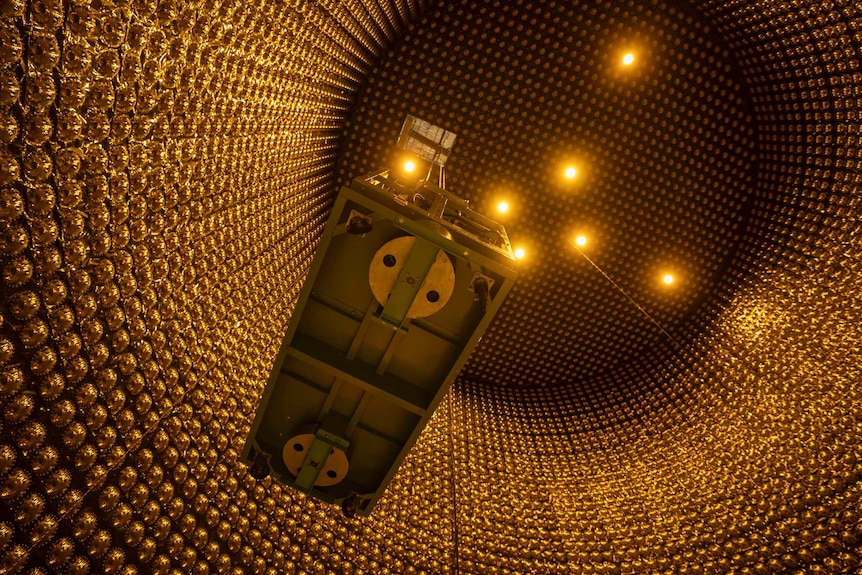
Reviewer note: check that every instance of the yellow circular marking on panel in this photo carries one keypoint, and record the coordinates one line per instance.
(332, 471)
(431, 295)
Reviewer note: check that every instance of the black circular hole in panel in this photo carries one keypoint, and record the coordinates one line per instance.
(432, 296)
(389, 260)
(298, 447)
(332, 474)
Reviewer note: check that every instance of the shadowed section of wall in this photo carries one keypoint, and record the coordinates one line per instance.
(165, 172)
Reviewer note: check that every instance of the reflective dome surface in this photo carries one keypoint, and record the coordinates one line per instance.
(165, 171)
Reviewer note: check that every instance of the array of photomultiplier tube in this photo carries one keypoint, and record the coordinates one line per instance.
(166, 169)
(165, 172)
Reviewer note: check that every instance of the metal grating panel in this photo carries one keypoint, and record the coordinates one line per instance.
(429, 142)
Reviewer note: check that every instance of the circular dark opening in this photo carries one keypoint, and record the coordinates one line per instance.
(298, 447)
(332, 474)
(389, 260)
(432, 296)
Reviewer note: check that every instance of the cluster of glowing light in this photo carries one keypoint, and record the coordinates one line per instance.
(581, 240)
(571, 172)
(668, 279)
(409, 166)
(628, 59)
(520, 253)
(503, 207)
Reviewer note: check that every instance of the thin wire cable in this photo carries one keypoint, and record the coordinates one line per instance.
(632, 300)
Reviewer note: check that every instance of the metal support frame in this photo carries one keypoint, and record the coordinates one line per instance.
(348, 359)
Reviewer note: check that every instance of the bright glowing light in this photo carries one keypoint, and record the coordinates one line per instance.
(409, 166)
(628, 59)
(503, 207)
(571, 172)
(520, 253)
(581, 240)
(668, 279)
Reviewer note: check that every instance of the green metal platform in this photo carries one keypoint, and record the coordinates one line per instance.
(405, 281)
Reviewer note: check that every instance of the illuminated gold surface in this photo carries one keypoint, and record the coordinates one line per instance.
(165, 172)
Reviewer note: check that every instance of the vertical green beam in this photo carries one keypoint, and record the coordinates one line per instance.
(325, 440)
(407, 285)
(312, 465)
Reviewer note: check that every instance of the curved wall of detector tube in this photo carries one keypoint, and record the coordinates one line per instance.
(165, 173)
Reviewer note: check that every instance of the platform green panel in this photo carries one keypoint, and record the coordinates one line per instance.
(404, 283)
